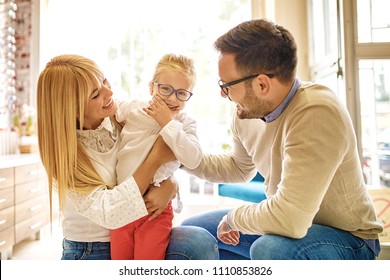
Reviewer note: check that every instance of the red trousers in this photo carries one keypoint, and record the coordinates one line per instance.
(143, 239)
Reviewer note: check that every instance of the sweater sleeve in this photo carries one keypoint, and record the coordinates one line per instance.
(111, 208)
(235, 166)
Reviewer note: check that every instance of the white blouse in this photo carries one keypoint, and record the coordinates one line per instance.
(89, 218)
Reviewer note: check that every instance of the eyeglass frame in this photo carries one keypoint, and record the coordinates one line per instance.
(224, 85)
(174, 91)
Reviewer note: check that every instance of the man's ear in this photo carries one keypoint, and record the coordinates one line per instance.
(262, 84)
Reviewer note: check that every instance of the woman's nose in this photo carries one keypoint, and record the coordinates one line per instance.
(107, 91)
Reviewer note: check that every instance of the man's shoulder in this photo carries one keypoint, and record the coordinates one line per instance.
(315, 94)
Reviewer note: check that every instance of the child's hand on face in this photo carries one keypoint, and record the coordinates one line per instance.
(160, 111)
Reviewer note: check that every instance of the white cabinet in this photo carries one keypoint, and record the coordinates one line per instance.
(24, 200)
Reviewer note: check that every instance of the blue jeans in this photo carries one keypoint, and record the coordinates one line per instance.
(74, 250)
(185, 243)
(320, 243)
(191, 243)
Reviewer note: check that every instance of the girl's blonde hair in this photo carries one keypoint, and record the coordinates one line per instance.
(63, 90)
(176, 63)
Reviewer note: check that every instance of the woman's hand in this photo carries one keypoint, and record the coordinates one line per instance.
(157, 198)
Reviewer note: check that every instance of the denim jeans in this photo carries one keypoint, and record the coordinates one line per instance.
(74, 250)
(320, 243)
(185, 243)
(191, 243)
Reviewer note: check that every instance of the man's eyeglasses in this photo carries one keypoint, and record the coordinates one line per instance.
(167, 90)
(225, 86)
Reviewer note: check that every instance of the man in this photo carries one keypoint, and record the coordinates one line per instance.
(299, 136)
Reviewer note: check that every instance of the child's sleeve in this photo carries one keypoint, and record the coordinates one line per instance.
(124, 109)
(181, 136)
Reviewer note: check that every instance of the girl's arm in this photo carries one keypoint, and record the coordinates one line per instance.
(159, 155)
(178, 131)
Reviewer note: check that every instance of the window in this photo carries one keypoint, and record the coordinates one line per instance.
(127, 40)
(373, 28)
(325, 45)
(375, 119)
(362, 80)
(373, 21)
(323, 22)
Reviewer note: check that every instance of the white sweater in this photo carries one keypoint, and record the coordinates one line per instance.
(139, 133)
(312, 171)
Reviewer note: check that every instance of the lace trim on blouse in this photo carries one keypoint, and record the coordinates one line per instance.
(101, 139)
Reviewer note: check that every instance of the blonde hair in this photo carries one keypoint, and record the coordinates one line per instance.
(63, 90)
(176, 63)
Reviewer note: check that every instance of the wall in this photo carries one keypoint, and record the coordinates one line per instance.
(293, 16)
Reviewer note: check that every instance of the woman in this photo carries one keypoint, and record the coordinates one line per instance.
(78, 142)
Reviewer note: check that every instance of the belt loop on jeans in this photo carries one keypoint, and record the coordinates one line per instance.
(89, 248)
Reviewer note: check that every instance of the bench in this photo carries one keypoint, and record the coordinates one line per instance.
(253, 191)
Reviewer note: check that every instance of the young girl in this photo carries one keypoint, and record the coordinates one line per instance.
(78, 143)
(171, 86)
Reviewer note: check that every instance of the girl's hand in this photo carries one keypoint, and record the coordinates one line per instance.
(157, 198)
(160, 111)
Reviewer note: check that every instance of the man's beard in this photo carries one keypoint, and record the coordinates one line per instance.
(255, 108)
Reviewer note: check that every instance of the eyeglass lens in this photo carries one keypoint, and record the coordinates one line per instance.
(225, 90)
(167, 90)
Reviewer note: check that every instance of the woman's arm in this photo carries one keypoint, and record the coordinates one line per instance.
(159, 155)
(124, 202)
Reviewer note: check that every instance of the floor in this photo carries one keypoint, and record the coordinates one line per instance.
(47, 247)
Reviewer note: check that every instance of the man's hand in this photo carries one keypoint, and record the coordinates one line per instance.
(226, 235)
